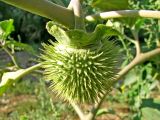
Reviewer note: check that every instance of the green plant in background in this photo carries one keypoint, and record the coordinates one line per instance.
(8, 44)
(34, 102)
(81, 65)
(140, 81)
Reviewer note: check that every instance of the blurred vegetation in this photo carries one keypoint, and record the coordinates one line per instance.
(30, 100)
(29, 28)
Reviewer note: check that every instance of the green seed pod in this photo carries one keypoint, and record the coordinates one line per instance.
(81, 66)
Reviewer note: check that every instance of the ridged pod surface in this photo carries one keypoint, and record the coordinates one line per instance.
(81, 66)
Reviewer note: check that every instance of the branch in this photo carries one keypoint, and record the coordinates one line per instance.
(129, 39)
(124, 13)
(137, 60)
(136, 42)
(11, 56)
(75, 5)
(138, 48)
(78, 110)
(46, 9)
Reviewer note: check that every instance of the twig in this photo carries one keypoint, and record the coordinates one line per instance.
(125, 48)
(129, 39)
(136, 42)
(137, 60)
(70, 6)
(158, 34)
(137, 45)
(75, 5)
(78, 110)
(52, 11)
(11, 56)
(124, 13)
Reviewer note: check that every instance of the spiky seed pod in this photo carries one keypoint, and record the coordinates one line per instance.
(80, 65)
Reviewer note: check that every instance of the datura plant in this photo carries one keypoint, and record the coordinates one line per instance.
(81, 66)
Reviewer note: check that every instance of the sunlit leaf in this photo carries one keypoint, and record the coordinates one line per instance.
(20, 46)
(150, 114)
(9, 78)
(6, 27)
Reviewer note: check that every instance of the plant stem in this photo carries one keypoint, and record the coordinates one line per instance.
(158, 34)
(75, 5)
(78, 110)
(11, 56)
(124, 13)
(29, 70)
(46, 9)
(137, 60)
(136, 42)
(129, 39)
(52, 11)
(125, 46)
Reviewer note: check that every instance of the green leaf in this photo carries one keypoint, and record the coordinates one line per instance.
(105, 111)
(130, 78)
(78, 38)
(20, 46)
(101, 112)
(103, 31)
(150, 109)
(6, 27)
(9, 78)
(138, 24)
(150, 114)
(110, 4)
(152, 103)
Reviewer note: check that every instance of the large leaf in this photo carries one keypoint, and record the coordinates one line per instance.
(110, 4)
(150, 114)
(80, 38)
(150, 109)
(9, 78)
(6, 27)
(152, 103)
